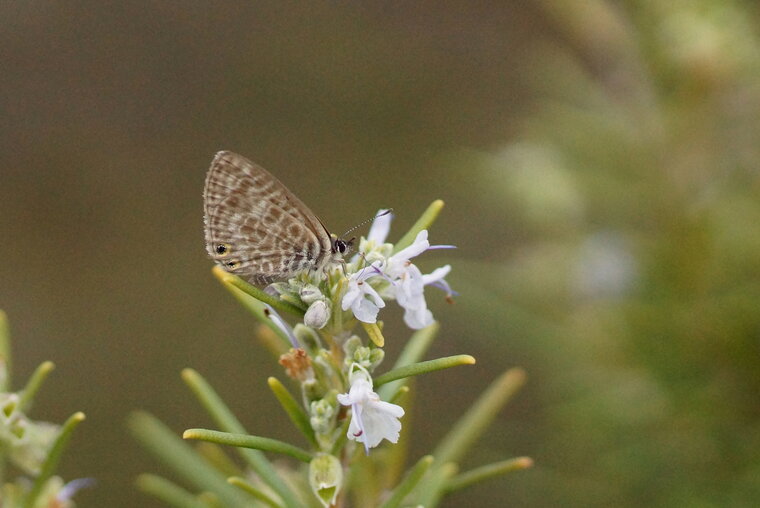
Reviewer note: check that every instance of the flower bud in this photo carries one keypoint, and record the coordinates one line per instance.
(323, 414)
(308, 337)
(325, 478)
(317, 315)
(376, 357)
(350, 347)
(310, 293)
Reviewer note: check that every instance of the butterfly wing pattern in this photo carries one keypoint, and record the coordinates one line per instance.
(255, 227)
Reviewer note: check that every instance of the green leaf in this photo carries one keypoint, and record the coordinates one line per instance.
(5, 352)
(257, 307)
(415, 348)
(54, 456)
(253, 491)
(424, 222)
(247, 441)
(165, 445)
(411, 480)
(217, 457)
(293, 409)
(434, 486)
(33, 385)
(233, 281)
(488, 471)
(229, 423)
(168, 492)
(480, 415)
(416, 369)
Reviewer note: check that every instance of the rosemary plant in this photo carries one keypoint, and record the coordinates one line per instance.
(340, 398)
(32, 448)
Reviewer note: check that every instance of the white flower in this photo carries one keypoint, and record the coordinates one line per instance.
(436, 278)
(410, 295)
(408, 282)
(403, 280)
(372, 419)
(362, 298)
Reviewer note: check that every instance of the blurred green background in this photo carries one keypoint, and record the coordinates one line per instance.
(600, 164)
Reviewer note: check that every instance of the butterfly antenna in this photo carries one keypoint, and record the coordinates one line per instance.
(389, 210)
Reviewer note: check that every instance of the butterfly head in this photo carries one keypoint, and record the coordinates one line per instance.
(340, 246)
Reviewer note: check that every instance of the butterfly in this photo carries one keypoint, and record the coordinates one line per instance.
(259, 230)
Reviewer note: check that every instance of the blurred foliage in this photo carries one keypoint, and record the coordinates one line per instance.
(600, 162)
(635, 184)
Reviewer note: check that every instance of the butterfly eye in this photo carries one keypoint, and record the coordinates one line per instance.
(222, 249)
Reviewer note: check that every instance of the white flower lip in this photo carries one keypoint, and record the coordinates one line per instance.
(361, 297)
(372, 419)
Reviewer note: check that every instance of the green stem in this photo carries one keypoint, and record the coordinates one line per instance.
(5, 352)
(297, 415)
(247, 441)
(475, 421)
(52, 459)
(230, 280)
(434, 487)
(256, 493)
(416, 369)
(33, 385)
(488, 471)
(227, 422)
(168, 492)
(411, 480)
(424, 222)
(415, 348)
(164, 444)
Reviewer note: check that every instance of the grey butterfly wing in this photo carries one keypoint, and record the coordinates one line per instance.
(257, 228)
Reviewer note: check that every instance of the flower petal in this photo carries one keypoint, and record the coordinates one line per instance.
(419, 246)
(365, 311)
(416, 319)
(380, 227)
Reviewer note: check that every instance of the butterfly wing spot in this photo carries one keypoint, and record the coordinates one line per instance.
(294, 230)
(222, 249)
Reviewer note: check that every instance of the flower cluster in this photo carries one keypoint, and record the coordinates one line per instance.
(28, 446)
(345, 406)
(378, 274)
(375, 274)
(25, 441)
(332, 364)
(373, 419)
(356, 291)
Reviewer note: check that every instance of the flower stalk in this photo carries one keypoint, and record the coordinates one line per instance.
(32, 447)
(343, 402)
